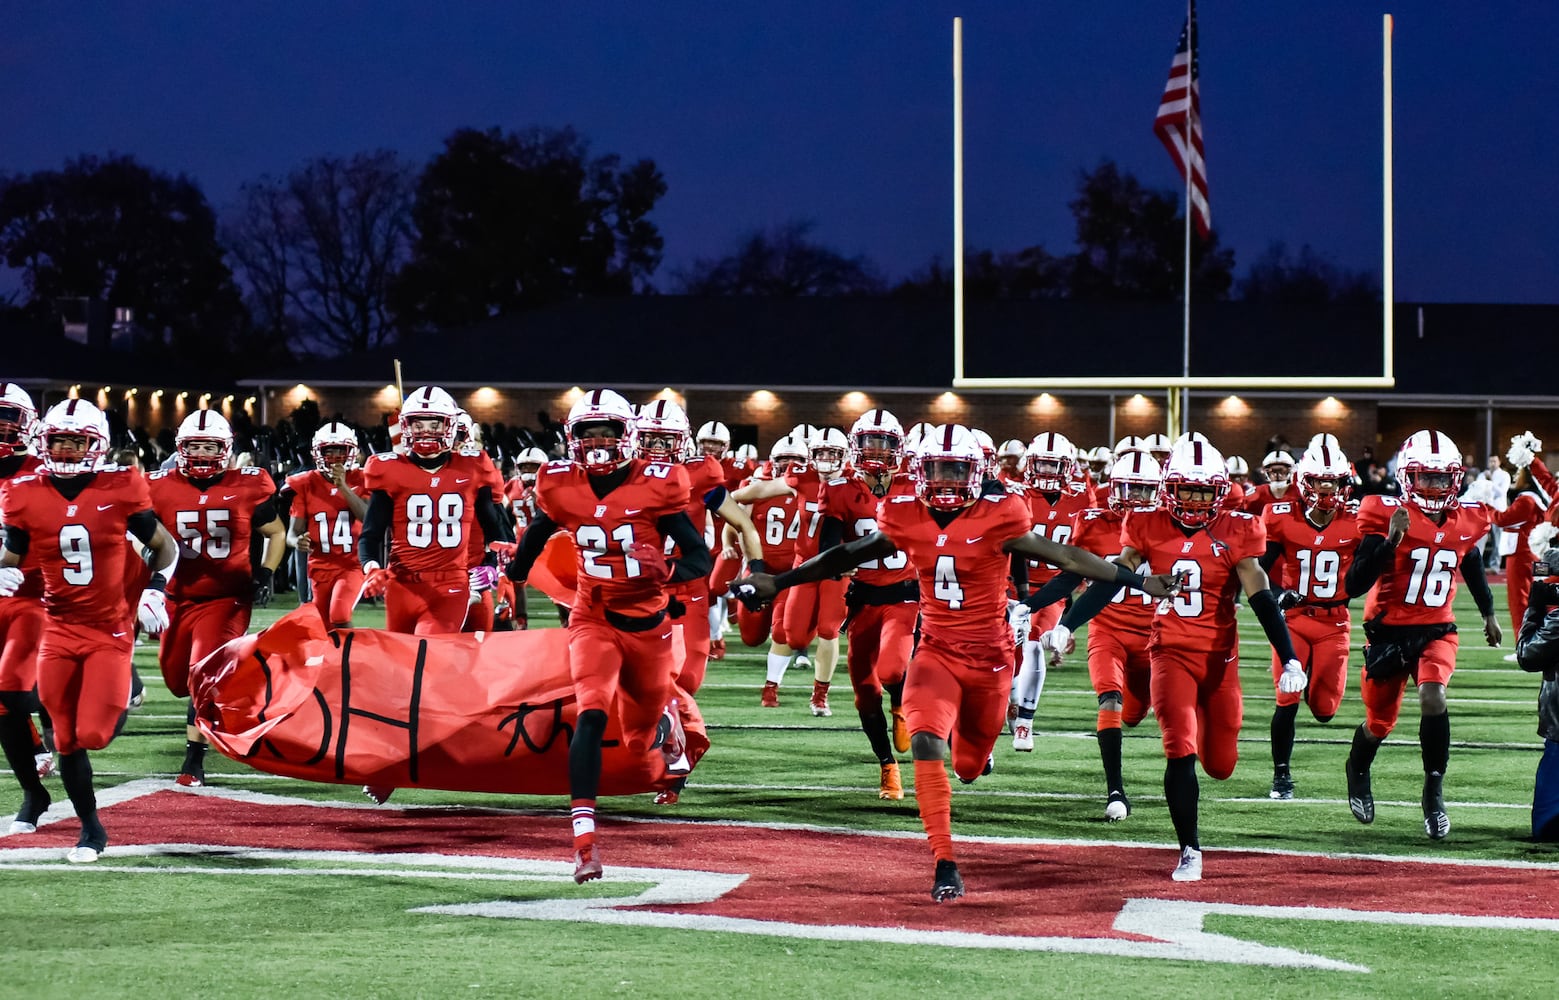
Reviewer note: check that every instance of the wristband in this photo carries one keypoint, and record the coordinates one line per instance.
(756, 566)
(1126, 578)
(158, 582)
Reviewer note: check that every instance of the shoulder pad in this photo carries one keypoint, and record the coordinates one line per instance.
(29, 478)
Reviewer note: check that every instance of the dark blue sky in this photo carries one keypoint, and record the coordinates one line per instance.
(840, 112)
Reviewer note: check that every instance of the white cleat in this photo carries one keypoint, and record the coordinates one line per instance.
(1190, 867)
(1117, 809)
(17, 826)
(1023, 736)
(82, 855)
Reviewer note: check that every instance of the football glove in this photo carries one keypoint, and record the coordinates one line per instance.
(1057, 643)
(262, 587)
(484, 578)
(1288, 599)
(152, 611)
(10, 580)
(1293, 679)
(376, 579)
(1018, 619)
(652, 561)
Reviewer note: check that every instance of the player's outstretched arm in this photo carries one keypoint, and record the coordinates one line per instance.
(736, 517)
(758, 589)
(1085, 563)
(531, 545)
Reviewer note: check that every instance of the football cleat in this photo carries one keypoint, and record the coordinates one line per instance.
(1436, 823)
(948, 884)
(820, 707)
(44, 762)
(1190, 867)
(717, 649)
(668, 797)
(673, 748)
(187, 779)
(1117, 808)
(770, 695)
(1282, 786)
(587, 863)
(891, 787)
(900, 731)
(82, 855)
(379, 794)
(1023, 736)
(34, 805)
(1360, 799)
(990, 765)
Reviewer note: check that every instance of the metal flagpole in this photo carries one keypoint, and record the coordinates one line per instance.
(958, 198)
(1179, 410)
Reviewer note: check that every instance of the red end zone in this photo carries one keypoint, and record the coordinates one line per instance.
(1045, 890)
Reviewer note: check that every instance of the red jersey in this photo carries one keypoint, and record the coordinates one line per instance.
(1262, 497)
(32, 580)
(433, 511)
(735, 471)
(962, 567)
(1315, 560)
(778, 520)
(522, 503)
(212, 523)
(476, 547)
(1419, 585)
(79, 545)
(703, 475)
(1235, 498)
(852, 502)
(1056, 520)
(606, 528)
(329, 520)
(1202, 616)
(1098, 530)
(809, 491)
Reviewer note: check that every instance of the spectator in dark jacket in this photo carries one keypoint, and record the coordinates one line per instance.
(1537, 650)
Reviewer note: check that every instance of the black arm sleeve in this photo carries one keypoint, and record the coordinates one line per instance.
(532, 542)
(835, 561)
(1477, 584)
(1019, 571)
(1060, 585)
(376, 521)
(695, 560)
(16, 539)
(1374, 555)
(1093, 600)
(264, 513)
(830, 534)
(1269, 558)
(715, 497)
(1266, 608)
(495, 527)
(143, 525)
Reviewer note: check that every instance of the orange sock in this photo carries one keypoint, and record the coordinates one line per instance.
(1109, 719)
(934, 798)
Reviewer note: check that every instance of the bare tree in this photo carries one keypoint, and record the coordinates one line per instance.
(782, 263)
(319, 249)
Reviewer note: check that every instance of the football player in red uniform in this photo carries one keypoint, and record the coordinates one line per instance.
(773, 503)
(1009, 461)
(212, 509)
(72, 520)
(621, 511)
(327, 510)
(1410, 551)
(1526, 512)
(819, 609)
(429, 500)
(482, 568)
(521, 492)
(1193, 651)
(883, 598)
(959, 539)
(1315, 540)
(1054, 507)
(1278, 467)
(21, 614)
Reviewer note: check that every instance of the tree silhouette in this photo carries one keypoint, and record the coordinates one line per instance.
(1308, 279)
(781, 263)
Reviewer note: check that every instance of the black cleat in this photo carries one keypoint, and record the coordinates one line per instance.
(1360, 799)
(1436, 823)
(1283, 786)
(949, 884)
(990, 765)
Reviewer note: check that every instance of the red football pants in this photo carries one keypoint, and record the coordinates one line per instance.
(882, 637)
(1383, 699)
(1119, 662)
(479, 616)
(1518, 583)
(84, 683)
(195, 629)
(962, 691)
(694, 625)
(814, 609)
(1322, 643)
(632, 671)
(1196, 696)
(21, 628)
(432, 604)
(335, 594)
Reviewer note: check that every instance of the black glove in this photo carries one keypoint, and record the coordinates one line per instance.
(674, 607)
(262, 588)
(1288, 599)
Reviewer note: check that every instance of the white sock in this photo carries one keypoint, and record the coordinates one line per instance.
(717, 618)
(584, 820)
(1031, 679)
(778, 664)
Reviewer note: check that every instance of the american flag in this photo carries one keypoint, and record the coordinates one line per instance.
(1179, 113)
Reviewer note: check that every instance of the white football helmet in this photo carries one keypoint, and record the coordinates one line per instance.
(1195, 483)
(1099, 461)
(747, 454)
(1278, 467)
(527, 465)
(203, 427)
(1129, 443)
(912, 440)
(1181, 439)
(950, 469)
(1009, 458)
(663, 432)
(714, 438)
(805, 432)
(468, 434)
(1049, 461)
(73, 418)
(988, 449)
(429, 404)
(600, 431)
(1329, 440)
(1236, 466)
(789, 455)
(876, 442)
(1324, 476)
(1429, 467)
(827, 448)
(18, 419)
(334, 444)
(1135, 479)
(1159, 445)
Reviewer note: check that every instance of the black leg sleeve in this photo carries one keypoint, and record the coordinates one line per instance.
(584, 755)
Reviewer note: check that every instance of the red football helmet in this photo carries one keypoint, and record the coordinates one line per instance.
(18, 419)
(429, 422)
(1195, 483)
(1325, 478)
(204, 427)
(950, 469)
(1429, 467)
(74, 434)
(600, 431)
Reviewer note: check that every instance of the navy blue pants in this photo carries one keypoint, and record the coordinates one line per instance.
(1545, 797)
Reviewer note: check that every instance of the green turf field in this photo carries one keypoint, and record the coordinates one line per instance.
(215, 923)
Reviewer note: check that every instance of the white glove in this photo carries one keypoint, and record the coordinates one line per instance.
(1018, 615)
(152, 611)
(1057, 642)
(10, 580)
(1293, 679)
